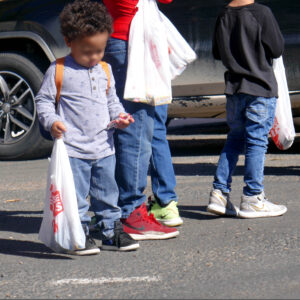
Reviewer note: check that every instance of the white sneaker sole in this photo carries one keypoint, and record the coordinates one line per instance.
(172, 222)
(85, 252)
(154, 236)
(221, 210)
(123, 249)
(261, 214)
(130, 248)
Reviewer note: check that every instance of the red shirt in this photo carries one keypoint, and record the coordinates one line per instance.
(122, 12)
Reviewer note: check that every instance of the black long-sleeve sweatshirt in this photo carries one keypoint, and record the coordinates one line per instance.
(246, 39)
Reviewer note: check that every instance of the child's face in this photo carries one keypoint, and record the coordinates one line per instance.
(89, 51)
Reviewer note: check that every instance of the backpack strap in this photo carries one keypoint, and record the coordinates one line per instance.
(59, 75)
(105, 67)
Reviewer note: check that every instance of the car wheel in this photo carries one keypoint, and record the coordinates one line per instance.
(20, 80)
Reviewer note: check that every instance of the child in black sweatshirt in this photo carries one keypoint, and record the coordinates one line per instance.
(247, 38)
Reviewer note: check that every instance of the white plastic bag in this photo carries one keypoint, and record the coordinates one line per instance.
(180, 52)
(157, 53)
(148, 73)
(61, 227)
(283, 130)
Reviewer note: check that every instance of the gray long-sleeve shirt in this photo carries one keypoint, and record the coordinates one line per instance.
(84, 108)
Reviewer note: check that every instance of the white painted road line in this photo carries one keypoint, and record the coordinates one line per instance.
(103, 280)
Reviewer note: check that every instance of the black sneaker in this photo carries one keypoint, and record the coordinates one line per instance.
(121, 241)
(93, 226)
(90, 248)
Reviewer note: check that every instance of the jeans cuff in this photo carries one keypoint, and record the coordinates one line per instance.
(246, 192)
(164, 203)
(220, 187)
(107, 234)
(107, 229)
(127, 210)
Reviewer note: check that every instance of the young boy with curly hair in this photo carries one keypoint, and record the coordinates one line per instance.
(87, 104)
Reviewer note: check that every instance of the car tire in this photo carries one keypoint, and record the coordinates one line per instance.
(21, 79)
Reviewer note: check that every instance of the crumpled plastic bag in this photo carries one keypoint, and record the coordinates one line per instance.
(61, 228)
(157, 53)
(283, 130)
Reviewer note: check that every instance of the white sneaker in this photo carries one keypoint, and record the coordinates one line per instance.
(220, 204)
(259, 207)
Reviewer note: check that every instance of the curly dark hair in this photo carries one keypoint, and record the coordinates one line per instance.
(84, 18)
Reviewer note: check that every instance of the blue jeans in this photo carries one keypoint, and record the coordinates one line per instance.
(134, 144)
(97, 179)
(250, 120)
(161, 167)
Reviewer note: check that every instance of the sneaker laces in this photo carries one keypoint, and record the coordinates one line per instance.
(262, 197)
(153, 220)
(148, 218)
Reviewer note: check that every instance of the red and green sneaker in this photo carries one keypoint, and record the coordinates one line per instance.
(141, 226)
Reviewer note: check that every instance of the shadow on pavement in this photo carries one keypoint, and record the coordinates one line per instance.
(204, 169)
(18, 221)
(23, 222)
(195, 212)
(28, 249)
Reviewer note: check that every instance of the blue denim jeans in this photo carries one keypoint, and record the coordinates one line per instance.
(134, 144)
(161, 167)
(97, 179)
(250, 120)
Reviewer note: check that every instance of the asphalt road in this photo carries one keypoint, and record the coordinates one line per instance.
(212, 258)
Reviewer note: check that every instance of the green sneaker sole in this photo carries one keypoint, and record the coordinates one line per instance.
(171, 222)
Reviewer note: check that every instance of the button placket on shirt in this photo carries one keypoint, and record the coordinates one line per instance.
(93, 83)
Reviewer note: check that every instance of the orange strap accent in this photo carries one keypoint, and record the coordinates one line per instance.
(105, 67)
(59, 75)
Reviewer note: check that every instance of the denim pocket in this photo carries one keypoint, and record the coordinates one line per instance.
(257, 111)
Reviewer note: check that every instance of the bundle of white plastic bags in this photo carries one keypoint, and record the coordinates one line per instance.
(61, 228)
(283, 131)
(157, 53)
